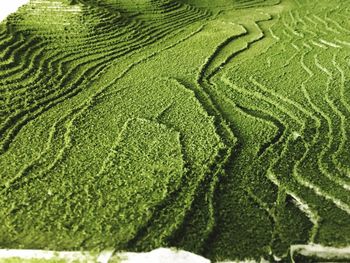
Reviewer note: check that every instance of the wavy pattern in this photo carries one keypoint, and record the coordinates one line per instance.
(217, 127)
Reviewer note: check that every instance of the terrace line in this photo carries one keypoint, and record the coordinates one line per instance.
(323, 252)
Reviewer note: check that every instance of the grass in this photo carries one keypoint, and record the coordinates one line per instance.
(221, 128)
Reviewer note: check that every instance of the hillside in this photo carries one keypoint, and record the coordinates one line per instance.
(217, 127)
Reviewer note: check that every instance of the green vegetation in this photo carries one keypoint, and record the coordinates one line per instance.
(218, 127)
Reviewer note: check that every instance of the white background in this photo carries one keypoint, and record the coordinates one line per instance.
(10, 6)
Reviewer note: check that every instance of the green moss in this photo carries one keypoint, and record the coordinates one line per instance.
(220, 127)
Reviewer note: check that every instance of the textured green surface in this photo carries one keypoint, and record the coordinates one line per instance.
(219, 127)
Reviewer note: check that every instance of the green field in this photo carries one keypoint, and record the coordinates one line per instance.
(221, 127)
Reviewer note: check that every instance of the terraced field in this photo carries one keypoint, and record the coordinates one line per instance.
(218, 127)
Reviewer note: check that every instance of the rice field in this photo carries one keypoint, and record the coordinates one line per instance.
(217, 127)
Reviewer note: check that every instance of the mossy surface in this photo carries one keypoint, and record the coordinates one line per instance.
(219, 127)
